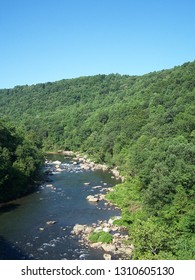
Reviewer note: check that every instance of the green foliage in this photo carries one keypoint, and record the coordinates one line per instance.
(145, 125)
(184, 248)
(20, 160)
(152, 239)
(100, 236)
(127, 197)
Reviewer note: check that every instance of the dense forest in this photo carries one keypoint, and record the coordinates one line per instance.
(144, 125)
(20, 161)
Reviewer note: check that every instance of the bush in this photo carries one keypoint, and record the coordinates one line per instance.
(100, 236)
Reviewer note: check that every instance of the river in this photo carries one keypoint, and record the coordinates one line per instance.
(24, 232)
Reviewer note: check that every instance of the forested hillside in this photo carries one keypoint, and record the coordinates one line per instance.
(145, 125)
(20, 160)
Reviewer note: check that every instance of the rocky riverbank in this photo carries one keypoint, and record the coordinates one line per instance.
(86, 164)
(119, 246)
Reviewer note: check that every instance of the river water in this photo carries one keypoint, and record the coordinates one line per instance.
(24, 232)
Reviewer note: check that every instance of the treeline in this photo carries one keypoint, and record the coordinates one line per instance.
(20, 160)
(145, 125)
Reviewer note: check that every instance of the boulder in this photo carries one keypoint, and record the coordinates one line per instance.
(58, 169)
(116, 234)
(68, 153)
(108, 247)
(107, 256)
(96, 245)
(110, 189)
(102, 197)
(101, 166)
(115, 172)
(92, 198)
(50, 222)
(57, 162)
(78, 229)
(97, 229)
(88, 230)
(125, 250)
(111, 220)
(106, 229)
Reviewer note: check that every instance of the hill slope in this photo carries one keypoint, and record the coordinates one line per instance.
(144, 125)
(20, 160)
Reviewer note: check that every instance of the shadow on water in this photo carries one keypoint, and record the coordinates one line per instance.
(8, 207)
(10, 252)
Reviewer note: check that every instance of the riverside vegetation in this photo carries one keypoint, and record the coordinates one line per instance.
(144, 125)
(20, 159)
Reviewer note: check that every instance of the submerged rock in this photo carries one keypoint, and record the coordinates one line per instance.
(97, 187)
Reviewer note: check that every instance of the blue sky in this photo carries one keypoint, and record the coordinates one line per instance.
(49, 40)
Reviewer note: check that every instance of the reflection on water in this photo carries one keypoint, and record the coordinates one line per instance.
(9, 207)
(24, 229)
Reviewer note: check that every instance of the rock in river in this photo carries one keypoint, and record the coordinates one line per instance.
(107, 256)
(92, 198)
(50, 222)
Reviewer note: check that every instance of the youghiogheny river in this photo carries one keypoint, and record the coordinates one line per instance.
(24, 232)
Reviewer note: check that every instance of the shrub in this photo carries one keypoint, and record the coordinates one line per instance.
(101, 236)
